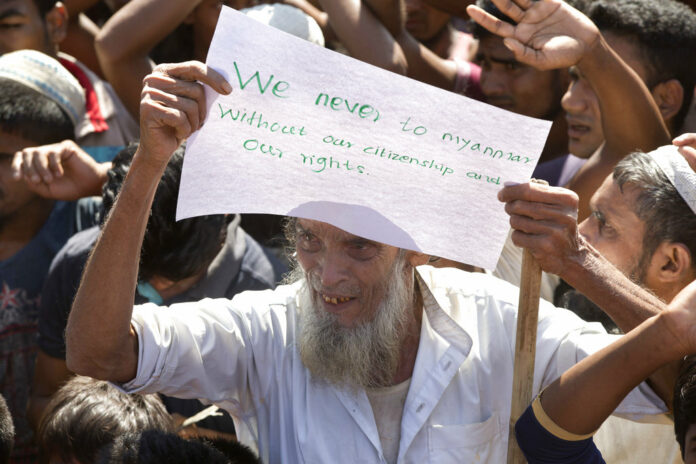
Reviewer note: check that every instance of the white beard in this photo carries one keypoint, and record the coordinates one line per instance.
(364, 356)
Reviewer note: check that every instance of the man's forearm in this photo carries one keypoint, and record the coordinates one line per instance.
(364, 35)
(99, 339)
(584, 396)
(125, 41)
(627, 303)
(630, 118)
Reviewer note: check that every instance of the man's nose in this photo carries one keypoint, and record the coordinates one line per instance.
(333, 270)
(572, 100)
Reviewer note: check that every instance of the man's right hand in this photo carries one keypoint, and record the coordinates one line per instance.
(173, 107)
(544, 220)
(549, 34)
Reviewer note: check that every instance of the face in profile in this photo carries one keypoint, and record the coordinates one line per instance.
(583, 115)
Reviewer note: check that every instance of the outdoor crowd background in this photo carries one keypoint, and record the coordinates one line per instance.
(71, 77)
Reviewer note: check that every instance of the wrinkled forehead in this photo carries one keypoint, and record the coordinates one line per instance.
(327, 231)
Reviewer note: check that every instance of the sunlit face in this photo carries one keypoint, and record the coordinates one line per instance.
(21, 27)
(614, 229)
(581, 105)
(14, 194)
(423, 21)
(351, 272)
(516, 87)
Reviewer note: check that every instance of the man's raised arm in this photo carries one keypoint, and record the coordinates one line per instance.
(550, 34)
(100, 341)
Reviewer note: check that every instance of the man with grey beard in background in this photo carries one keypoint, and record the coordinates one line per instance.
(369, 356)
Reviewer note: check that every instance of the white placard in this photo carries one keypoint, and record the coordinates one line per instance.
(311, 133)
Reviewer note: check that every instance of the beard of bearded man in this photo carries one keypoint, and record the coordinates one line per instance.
(364, 356)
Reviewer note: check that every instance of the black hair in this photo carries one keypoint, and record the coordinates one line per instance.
(155, 447)
(86, 414)
(7, 432)
(236, 452)
(665, 213)
(44, 6)
(665, 32)
(172, 250)
(26, 113)
(685, 401)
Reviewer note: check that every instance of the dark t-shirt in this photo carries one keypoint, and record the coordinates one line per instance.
(241, 265)
(22, 277)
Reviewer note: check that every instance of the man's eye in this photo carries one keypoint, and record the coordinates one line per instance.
(512, 66)
(309, 242)
(362, 251)
(10, 25)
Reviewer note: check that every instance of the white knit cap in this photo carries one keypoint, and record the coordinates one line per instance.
(678, 171)
(48, 77)
(288, 19)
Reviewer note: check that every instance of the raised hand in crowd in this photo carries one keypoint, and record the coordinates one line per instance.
(101, 343)
(548, 35)
(60, 171)
(551, 34)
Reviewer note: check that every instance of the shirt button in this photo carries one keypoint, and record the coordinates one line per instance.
(420, 407)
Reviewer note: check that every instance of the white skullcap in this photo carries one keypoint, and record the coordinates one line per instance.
(48, 77)
(288, 19)
(678, 171)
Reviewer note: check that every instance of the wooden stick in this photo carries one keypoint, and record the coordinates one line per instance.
(525, 349)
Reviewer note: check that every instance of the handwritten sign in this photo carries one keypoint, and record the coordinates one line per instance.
(311, 133)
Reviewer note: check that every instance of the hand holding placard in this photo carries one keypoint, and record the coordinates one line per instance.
(312, 133)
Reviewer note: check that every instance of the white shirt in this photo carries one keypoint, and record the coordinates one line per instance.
(242, 355)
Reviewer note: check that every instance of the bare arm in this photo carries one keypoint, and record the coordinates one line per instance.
(544, 220)
(584, 396)
(100, 341)
(550, 34)
(631, 120)
(125, 41)
(363, 35)
(423, 64)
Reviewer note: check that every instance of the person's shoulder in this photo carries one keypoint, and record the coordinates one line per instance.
(451, 280)
(280, 298)
(81, 243)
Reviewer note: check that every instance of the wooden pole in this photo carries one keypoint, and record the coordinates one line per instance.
(525, 349)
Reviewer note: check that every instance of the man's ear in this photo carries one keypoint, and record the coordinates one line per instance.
(669, 97)
(57, 23)
(416, 258)
(672, 263)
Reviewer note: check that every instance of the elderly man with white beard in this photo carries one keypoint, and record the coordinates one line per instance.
(362, 358)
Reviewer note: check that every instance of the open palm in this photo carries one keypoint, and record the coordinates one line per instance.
(549, 34)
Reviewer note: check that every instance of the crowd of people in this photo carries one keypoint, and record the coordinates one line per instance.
(129, 337)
